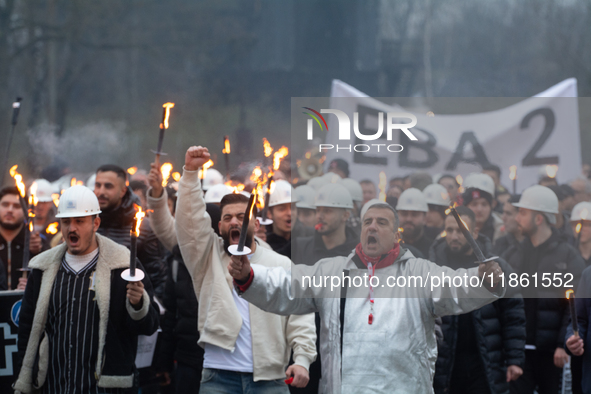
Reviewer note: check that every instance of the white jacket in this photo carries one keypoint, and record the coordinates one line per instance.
(397, 352)
(219, 321)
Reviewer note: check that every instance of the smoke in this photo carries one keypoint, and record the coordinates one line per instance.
(82, 149)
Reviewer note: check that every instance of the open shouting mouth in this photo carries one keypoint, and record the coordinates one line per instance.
(234, 236)
(372, 240)
(73, 239)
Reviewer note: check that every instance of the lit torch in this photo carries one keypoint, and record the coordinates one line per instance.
(206, 165)
(132, 274)
(570, 296)
(226, 152)
(132, 170)
(460, 180)
(382, 186)
(165, 169)
(579, 226)
(163, 126)
(22, 190)
(551, 170)
(267, 151)
(513, 177)
(52, 228)
(278, 156)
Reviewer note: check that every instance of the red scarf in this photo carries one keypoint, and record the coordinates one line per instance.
(383, 260)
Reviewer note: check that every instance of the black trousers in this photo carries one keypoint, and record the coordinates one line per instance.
(539, 373)
(468, 375)
(186, 379)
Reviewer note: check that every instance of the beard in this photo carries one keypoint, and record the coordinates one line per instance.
(10, 226)
(461, 251)
(248, 243)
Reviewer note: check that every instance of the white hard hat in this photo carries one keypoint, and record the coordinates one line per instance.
(282, 193)
(481, 182)
(216, 193)
(331, 177)
(90, 181)
(412, 200)
(436, 194)
(368, 204)
(306, 197)
(333, 195)
(539, 198)
(78, 201)
(354, 189)
(581, 211)
(212, 177)
(44, 190)
(316, 183)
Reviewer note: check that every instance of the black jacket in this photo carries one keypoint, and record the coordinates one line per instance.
(179, 324)
(16, 256)
(498, 328)
(546, 307)
(423, 244)
(116, 225)
(502, 244)
(121, 329)
(282, 245)
(308, 250)
(3, 283)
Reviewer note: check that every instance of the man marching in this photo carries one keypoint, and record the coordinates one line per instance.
(79, 319)
(374, 337)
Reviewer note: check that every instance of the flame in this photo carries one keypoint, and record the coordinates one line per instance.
(256, 175)
(321, 160)
(132, 170)
(551, 170)
(52, 228)
(80, 183)
(226, 150)
(33, 194)
(254, 191)
(568, 293)
(167, 107)
(578, 228)
(236, 189)
(139, 215)
(400, 230)
(465, 225)
(308, 155)
(165, 169)
(206, 165)
(267, 147)
(56, 199)
(73, 182)
(278, 156)
(382, 186)
(176, 176)
(460, 180)
(18, 179)
(31, 226)
(513, 173)
(443, 234)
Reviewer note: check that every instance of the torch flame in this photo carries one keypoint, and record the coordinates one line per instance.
(400, 230)
(226, 150)
(13, 170)
(56, 199)
(176, 176)
(568, 293)
(73, 182)
(267, 147)
(254, 191)
(578, 227)
(52, 228)
(33, 194)
(206, 165)
(132, 170)
(139, 215)
(165, 169)
(513, 173)
(443, 234)
(382, 186)
(278, 156)
(551, 170)
(308, 155)
(236, 189)
(167, 107)
(18, 179)
(460, 180)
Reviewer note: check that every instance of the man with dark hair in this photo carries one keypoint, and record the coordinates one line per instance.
(479, 197)
(420, 180)
(246, 349)
(117, 203)
(513, 235)
(139, 188)
(562, 218)
(482, 360)
(452, 186)
(369, 190)
(339, 167)
(12, 238)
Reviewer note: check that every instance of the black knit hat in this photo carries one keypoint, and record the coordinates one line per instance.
(473, 193)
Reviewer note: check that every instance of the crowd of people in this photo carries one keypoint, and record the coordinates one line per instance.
(229, 323)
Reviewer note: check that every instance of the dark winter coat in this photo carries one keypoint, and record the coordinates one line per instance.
(117, 224)
(499, 328)
(502, 244)
(547, 307)
(119, 324)
(308, 250)
(16, 247)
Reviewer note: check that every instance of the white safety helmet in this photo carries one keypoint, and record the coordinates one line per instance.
(90, 182)
(331, 177)
(78, 201)
(282, 194)
(333, 195)
(581, 211)
(354, 189)
(212, 177)
(44, 190)
(316, 183)
(539, 198)
(412, 200)
(481, 182)
(216, 193)
(436, 194)
(306, 197)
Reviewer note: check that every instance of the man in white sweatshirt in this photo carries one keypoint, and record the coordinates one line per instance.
(246, 349)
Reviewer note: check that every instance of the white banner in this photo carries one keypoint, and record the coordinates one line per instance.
(538, 131)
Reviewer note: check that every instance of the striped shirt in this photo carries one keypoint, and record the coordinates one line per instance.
(73, 332)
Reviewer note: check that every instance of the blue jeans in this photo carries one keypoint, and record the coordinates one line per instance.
(218, 381)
